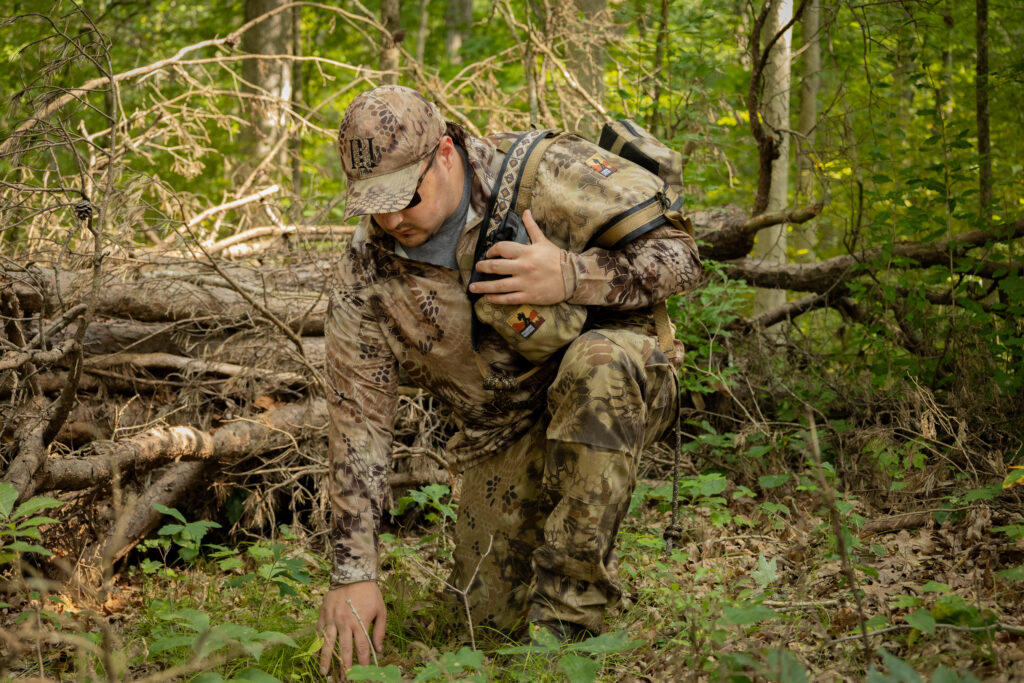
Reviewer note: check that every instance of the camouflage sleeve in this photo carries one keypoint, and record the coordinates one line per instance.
(362, 397)
(652, 268)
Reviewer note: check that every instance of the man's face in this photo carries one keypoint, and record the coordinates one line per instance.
(414, 225)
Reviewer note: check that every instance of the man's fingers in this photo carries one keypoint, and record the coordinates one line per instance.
(346, 648)
(532, 229)
(507, 250)
(505, 285)
(378, 632)
(507, 299)
(362, 648)
(497, 266)
(327, 650)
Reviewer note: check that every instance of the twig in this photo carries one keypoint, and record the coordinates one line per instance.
(799, 604)
(1008, 628)
(276, 230)
(373, 650)
(256, 196)
(837, 529)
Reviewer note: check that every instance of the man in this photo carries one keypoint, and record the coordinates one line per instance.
(548, 452)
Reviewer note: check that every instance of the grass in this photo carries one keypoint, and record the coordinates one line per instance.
(745, 598)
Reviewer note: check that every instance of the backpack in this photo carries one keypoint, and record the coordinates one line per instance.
(538, 332)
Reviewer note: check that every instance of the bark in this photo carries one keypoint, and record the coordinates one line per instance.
(457, 18)
(267, 77)
(141, 517)
(827, 275)
(771, 243)
(226, 445)
(585, 59)
(805, 239)
(981, 90)
(390, 15)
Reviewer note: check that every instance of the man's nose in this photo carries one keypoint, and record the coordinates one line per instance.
(390, 221)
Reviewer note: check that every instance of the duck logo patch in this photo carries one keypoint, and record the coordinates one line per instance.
(525, 321)
(601, 165)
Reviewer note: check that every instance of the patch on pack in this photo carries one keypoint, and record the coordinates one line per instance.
(525, 321)
(601, 165)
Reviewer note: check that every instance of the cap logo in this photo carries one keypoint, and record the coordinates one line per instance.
(365, 156)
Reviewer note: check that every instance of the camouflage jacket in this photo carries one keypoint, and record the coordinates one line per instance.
(388, 313)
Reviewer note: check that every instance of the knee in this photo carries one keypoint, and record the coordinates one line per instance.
(598, 359)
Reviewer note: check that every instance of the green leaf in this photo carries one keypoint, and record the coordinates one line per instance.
(789, 668)
(606, 643)
(34, 505)
(771, 481)
(170, 643)
(986, 493)
(255, 675)
(1015, 477)
(922, 620)
(766, 573)
(935, 587)
(1015, 574)
(579, 669)
(193, 618)
(229, 563)
(8, 496)
(208, 677)
(170, 529)
(901, 671)
(744, 615)
(946, 675)
(38, 521)
(21, 546)
(385, 674)
(170, 511)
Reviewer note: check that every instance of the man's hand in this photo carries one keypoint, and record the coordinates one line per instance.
(338, 622)
(534, 270)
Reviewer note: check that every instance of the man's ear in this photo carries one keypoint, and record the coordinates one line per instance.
(446, 150)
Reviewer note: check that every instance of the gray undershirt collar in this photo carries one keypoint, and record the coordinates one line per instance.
(440, 248)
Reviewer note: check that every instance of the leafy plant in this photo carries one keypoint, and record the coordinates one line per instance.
(19, 524)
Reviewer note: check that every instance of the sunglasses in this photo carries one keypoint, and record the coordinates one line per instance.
(416, 198)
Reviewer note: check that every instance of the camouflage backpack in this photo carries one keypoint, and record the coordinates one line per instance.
(537, 332)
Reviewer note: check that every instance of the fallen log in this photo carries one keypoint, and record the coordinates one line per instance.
(275, 429)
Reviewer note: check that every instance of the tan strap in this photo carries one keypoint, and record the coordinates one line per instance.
(617, 232)
(529, 173)
(665, 329)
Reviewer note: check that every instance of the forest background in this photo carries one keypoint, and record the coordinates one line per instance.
(851, 447)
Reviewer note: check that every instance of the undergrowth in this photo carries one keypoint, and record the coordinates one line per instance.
(755, 592)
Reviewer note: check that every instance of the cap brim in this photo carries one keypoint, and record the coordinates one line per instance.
(381, 194)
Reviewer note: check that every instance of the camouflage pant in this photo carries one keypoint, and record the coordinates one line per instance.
(550, 506)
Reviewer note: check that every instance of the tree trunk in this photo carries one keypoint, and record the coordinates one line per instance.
(771, 243)
(805, 238)
(458, 18)
(268, 81)
(390, 13)
(984, 143)
(585, 58)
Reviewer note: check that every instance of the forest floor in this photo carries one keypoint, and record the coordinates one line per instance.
(757, 591)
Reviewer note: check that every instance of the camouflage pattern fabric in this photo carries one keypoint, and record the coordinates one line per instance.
(388, 312)
(549, 506)
(385, 134)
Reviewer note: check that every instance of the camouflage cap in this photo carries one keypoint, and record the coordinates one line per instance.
(385, 134)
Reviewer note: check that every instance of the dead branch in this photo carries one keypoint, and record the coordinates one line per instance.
(278, 428)
(227, 206)
(826, 276)
(167, 361)
(276, 231)
(15, 360)
(729, 233)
